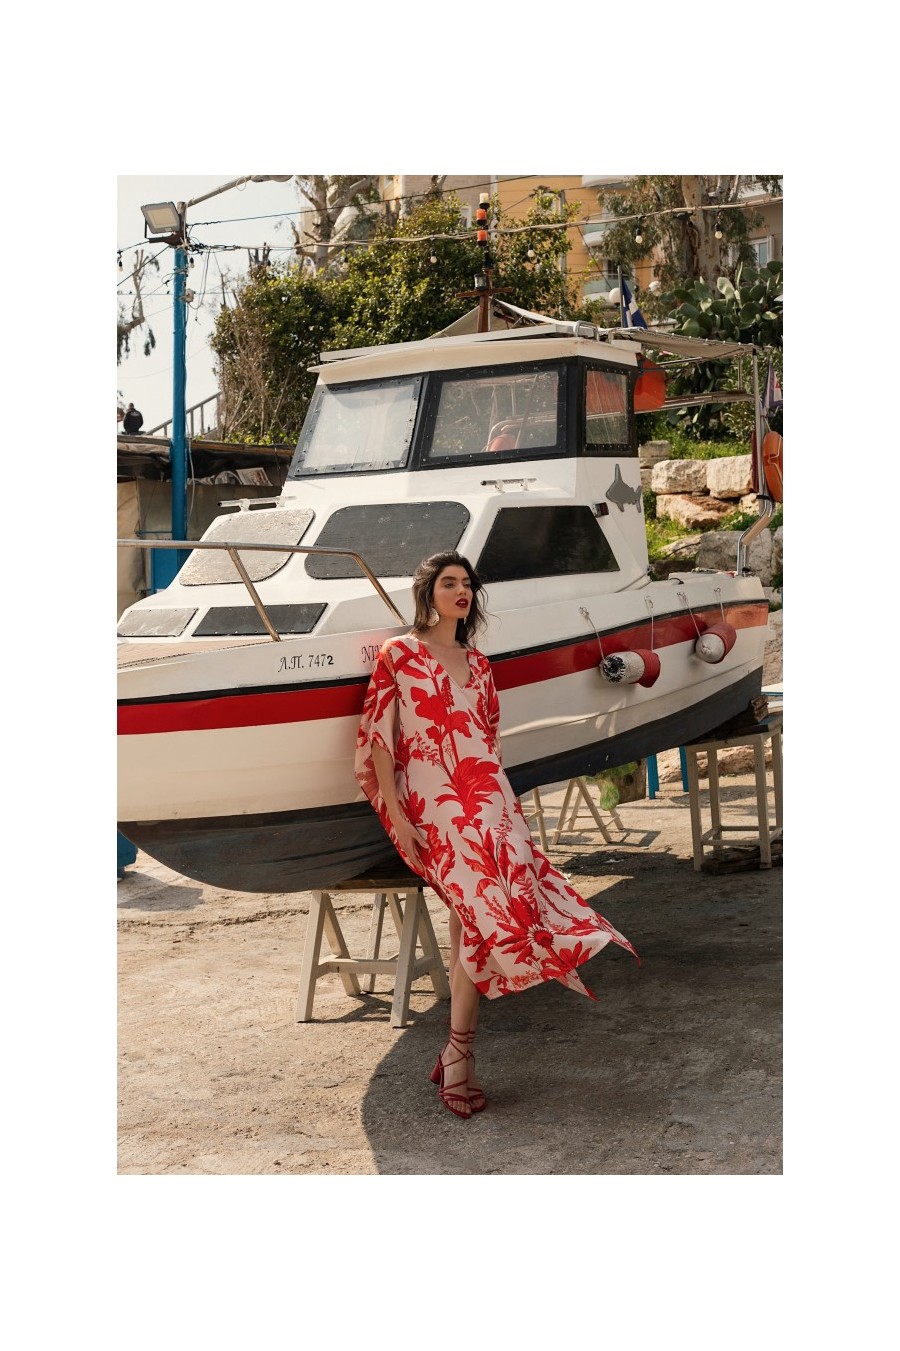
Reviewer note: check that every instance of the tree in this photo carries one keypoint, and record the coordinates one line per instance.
(747, 310)
(278, 323)
(339, 209)
(683, 241)
(128, 322)
(393, 292)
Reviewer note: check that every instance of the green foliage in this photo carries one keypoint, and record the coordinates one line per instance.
(661, 532)
(748, 310)
(684, 236)
(281, 322)
(686, 447)
(392, 292)
(610, 783)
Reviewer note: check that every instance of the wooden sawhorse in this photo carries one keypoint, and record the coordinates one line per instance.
(535, 812)
(762, 830)
(402, 894)
(582, 800)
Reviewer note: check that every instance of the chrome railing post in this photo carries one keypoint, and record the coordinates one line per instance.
(230, 547)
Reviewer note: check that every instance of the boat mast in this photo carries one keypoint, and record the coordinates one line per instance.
(484, 280)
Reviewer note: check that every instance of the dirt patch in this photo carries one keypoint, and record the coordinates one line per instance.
(675, 1069)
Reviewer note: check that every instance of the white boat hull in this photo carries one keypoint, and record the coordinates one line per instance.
(251, 784)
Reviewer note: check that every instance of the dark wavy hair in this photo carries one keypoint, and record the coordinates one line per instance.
(426, 575)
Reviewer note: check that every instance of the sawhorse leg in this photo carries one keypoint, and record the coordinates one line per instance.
(694, 798)
(762, 802)
(321, 917)
(415, 924)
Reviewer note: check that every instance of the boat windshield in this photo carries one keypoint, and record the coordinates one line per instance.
(358, 427)
(501, 411)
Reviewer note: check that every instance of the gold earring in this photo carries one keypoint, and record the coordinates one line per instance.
(433, 617)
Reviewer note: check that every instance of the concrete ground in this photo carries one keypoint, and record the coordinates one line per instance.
(676, 1069)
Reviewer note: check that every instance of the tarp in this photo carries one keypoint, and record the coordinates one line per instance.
(649, 339)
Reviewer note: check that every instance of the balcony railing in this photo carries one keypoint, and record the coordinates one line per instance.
(196, 413)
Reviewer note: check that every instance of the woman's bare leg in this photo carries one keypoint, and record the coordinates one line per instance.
(465, 1004)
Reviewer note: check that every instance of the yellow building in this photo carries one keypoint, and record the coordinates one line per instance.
(587, 264)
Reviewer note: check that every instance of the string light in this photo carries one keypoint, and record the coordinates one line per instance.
(718, 231)
(639, 232)
(121, 268)
(434, 258)
(531, 253)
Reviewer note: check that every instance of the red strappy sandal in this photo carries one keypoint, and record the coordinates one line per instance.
(477, 1099)
(450, 1096)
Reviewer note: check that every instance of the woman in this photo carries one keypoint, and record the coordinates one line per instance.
(428, 759)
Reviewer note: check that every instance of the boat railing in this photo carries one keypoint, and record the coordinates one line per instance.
(224, 546)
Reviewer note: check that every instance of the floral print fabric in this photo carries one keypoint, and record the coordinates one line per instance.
(522, 922)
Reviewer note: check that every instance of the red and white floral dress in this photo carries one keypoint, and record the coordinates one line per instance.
(522, 922)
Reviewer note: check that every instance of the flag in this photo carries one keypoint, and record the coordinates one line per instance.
(631, 315)
(773, 400)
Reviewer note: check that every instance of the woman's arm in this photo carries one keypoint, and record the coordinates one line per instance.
(407, 834)
(493, 710)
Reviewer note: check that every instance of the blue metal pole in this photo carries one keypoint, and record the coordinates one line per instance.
(179, 382)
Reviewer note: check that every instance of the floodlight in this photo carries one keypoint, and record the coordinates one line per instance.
(162, 218)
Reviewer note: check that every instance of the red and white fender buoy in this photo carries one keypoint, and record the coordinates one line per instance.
(640, 667)
(715, 643)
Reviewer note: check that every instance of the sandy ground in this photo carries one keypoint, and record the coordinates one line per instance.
(675, 1070)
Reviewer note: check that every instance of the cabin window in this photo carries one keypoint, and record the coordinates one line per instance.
(154, 623)
(357, 428)
(234, 621)
(605, 411)
(213, 567)
(392, 537)
(510, 412)
(544, 542)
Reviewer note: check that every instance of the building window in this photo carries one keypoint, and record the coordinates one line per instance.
(763, 250)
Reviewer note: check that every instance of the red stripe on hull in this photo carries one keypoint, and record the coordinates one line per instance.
(342, 701)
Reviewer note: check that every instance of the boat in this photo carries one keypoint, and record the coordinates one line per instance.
(240, 685)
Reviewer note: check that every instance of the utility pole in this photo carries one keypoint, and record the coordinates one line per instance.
(168, 224)
(178, 451)
(561, 196)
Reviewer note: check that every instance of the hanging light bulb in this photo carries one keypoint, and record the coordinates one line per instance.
(718, 227)
(639, 232)
(531, 253)
(121, 269)
(434, 258)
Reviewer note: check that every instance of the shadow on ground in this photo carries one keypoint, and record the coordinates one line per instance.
(138, 891)
(676, 1068)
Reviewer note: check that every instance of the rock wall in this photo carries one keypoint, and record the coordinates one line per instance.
(700, 493)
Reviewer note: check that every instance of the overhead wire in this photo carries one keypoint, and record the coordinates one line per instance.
(382, 201)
